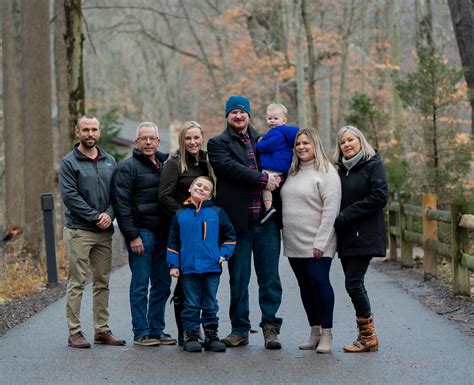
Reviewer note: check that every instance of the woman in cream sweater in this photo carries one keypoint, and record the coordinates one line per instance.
(311, 199)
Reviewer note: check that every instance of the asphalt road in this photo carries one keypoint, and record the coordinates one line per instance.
(417, 346)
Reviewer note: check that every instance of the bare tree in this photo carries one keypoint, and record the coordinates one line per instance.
(68, 39)
(13, 134)
(312, 65)
(36, 113)
(462, 16)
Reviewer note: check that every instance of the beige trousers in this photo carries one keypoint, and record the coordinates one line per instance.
(87, 249)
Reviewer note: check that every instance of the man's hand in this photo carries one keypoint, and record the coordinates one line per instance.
(174, 272)
(317, 253)
(137, 246)
(273, 181)
(104, 221)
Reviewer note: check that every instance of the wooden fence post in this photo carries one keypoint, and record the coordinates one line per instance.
(392, 238)
(460, 241)
(406, 247)
(430, 230)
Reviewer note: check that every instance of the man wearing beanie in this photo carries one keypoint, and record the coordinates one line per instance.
(239, 192)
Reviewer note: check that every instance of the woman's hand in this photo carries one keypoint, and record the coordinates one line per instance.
(317, 253)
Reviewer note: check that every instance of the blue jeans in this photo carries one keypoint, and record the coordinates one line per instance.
(316, 291)
(150, 269)
(200, 300)
(264, 241)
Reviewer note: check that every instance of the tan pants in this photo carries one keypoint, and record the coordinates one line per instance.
(88, 249)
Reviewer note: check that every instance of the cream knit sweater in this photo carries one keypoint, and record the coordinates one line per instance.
(311, 202)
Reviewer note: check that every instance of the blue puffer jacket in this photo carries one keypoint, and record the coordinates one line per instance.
(198, 238)
(276, 148)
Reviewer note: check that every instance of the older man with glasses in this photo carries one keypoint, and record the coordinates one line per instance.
(135, 201)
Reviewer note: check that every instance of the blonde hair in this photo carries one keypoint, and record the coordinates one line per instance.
(277, 107)
(183, 167)
(207, 178)
(321, 161)
(369, 151)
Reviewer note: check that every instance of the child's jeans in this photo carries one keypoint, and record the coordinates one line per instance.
(200, 302)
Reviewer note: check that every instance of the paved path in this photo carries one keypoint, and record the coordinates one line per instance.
(417, 346)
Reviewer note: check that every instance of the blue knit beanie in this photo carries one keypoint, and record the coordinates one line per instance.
(237, 103)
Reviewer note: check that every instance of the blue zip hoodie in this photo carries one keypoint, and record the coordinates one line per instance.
(276, 148)
(199, 237)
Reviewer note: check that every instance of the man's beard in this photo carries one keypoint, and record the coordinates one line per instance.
(87, 145)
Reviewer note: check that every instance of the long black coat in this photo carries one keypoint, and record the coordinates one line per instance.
(135, 195)
(235, 179)
(360, 225)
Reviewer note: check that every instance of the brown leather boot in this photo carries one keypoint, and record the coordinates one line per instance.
(77, 340)
(107, 338)
(367, 340)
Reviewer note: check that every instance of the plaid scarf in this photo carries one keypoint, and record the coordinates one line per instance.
(255, 195)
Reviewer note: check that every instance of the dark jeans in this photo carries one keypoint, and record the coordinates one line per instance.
(151, 269)
(200, 300)
(315, 289)
(354, 271)
(264, 241)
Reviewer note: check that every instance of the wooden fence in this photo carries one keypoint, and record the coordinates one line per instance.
(401, 215)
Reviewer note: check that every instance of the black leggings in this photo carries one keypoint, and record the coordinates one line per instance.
(354, 271)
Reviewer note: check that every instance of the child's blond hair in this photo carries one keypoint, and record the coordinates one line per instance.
(277, 107)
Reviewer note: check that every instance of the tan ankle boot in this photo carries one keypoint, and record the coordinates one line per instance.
(313, 340)
(325, 343)
(367, 340)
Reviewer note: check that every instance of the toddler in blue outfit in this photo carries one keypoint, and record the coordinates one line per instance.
(201, 238)
(276, 149)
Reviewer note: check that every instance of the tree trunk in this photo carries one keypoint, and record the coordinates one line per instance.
(348, 21)
(70, 93)
(13, 130)
(424, 24)
(36, 114)
(312, 63)
(394, 23)
(462, 16)
(300, 83)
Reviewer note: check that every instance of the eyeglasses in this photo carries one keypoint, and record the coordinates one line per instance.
(145, 139)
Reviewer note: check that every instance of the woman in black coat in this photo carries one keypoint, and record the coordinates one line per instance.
(360, 225)
(178, 173)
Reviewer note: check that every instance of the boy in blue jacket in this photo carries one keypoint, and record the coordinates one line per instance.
(200, 239)
(276, 150)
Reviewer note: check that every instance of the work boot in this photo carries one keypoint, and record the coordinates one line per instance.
(191, 343)
(313, 340)
(234, 340)
(270, 334)
(212, 342)
(325, 343)
(78, 340)
(107, 338)
(367, 339)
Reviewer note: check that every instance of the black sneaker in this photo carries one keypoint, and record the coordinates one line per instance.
(268, 214)
(212, 342)
(191, 342)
